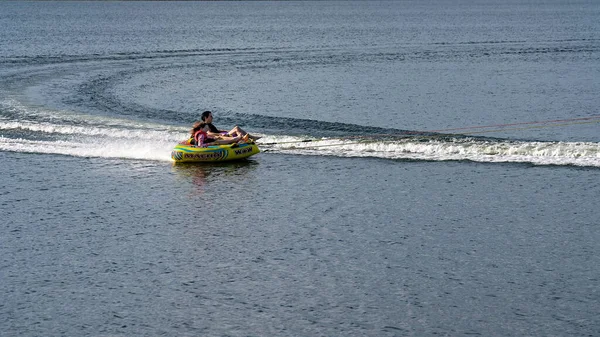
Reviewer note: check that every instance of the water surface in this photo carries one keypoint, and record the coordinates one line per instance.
(448, 186)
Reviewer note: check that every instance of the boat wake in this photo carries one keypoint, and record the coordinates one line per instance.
(31, 130)
(445, 148)
(36, 130)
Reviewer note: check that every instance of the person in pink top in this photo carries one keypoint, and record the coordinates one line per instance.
(199, 136)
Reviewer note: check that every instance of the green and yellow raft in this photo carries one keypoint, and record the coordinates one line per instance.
(184, 153)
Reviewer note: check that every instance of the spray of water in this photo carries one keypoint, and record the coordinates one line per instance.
(31, 130)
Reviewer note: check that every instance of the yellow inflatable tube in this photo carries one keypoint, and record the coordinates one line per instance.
(183, 153)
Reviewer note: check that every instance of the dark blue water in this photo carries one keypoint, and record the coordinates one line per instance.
(449, 187)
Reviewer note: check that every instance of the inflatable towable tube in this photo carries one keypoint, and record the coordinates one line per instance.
(184, 153)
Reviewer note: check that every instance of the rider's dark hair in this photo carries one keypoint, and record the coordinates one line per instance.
(205, 115)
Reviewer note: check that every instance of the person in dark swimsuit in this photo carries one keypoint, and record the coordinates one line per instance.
(213, 131)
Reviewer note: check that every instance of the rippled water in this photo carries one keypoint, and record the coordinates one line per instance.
(426, 169)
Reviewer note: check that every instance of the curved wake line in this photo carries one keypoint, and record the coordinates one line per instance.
(583, 154)
(45, 119)
(37, 130)
(51, 128)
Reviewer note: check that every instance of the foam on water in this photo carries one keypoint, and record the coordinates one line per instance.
(104, 149)
(33, 130)
(436, 149)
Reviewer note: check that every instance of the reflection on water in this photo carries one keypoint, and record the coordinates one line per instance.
(202, 174)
